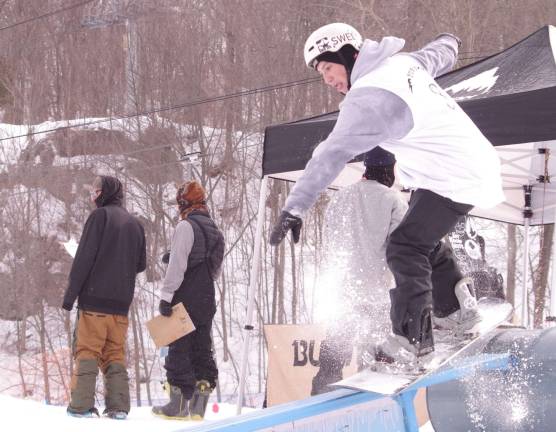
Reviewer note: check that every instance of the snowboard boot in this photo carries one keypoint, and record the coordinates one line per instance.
(408, 349)
(90, 413)
(395, 349)
(115, 414)
(83, 382)
(199, 400)
(176, 409)
(116, 385)
(467, 316)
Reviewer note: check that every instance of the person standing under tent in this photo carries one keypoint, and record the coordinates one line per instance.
(111, 252)
(392, 100)
(357, 224)
(194, 264)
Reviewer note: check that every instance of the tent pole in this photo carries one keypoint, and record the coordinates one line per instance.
(524, 300)
(552, 311)
(527, 215)
(253, 279)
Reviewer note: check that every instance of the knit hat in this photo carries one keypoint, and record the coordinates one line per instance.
(344, 56)
(190, 196)
(378, 157)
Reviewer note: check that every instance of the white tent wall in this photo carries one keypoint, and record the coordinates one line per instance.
(528, 164)
(530, 198)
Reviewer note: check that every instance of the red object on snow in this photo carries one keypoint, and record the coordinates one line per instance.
(215, 407)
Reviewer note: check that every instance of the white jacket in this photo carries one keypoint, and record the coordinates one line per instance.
(395, 102)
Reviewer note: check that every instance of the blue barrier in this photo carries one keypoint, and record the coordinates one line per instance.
(352, 410)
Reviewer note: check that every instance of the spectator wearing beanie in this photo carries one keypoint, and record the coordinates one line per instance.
(357, 223)
(194, 263)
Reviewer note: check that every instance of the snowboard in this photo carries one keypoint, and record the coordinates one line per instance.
(450, 351)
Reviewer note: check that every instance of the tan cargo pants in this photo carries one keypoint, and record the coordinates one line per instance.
(99, 341)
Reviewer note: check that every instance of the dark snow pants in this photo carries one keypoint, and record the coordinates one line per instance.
(191, 359)
(424, 267)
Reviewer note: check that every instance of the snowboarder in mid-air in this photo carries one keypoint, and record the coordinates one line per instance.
(392, 100)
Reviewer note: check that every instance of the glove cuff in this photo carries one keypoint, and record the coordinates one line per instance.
(294, 212)
(450, 35)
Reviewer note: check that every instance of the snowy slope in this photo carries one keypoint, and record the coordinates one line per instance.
(27, 415)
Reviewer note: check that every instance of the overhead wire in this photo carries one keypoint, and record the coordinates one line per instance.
(169, 108)
(176, 107)
(48, 14)
(172, 107)
(191, 104)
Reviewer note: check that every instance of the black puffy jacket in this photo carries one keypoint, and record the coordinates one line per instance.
(203, 265)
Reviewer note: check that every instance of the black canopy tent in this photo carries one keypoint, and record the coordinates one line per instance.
(511, 97)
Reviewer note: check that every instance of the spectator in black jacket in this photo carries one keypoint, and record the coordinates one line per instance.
(102, 279)
(195, 263)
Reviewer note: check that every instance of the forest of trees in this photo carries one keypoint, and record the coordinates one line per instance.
(159, 91)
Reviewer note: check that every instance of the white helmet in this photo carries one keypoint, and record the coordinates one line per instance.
(330, 38)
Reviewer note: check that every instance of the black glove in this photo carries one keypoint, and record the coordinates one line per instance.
(165, 308)
(286, 222)
(67, 306)
(166, 257)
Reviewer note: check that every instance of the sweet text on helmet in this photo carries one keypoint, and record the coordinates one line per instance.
(326, 44)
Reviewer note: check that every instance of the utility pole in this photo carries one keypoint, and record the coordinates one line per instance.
(107, 13)
(192, 159)
(131, 46)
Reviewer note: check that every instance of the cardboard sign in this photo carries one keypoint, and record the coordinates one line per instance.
(293, 361)
(165, 330)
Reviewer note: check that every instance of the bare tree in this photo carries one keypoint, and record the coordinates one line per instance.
(540, 279)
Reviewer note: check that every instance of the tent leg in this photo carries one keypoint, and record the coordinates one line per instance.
(524, 299)
(552, 312)
(527, 215)
(253, 279)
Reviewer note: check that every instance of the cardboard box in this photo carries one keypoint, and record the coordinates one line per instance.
(165, 330)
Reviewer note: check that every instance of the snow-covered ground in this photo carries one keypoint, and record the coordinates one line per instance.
(28, 415)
